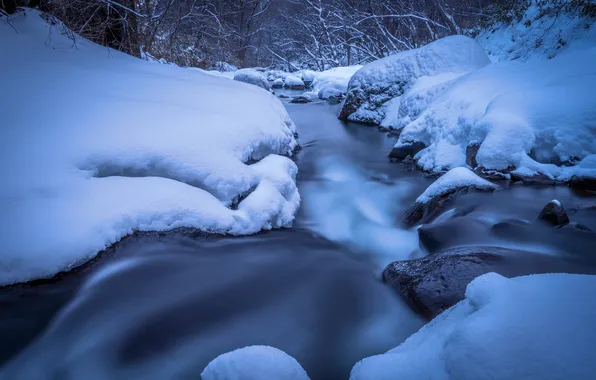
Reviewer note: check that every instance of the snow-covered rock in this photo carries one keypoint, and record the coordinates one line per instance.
(333, 82)
(307, 76)
(383, 80)
(223, 67)
(529, 117)
(254, 77)
(278, 83)
(293, 82)
(545, 29)
(254, 363)
(456, 181)
(527, 328)
(96, 144)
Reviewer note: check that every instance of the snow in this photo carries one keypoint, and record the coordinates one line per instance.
(453, 179)
(308, 76)
(545, 29)
(254, 363)
(252, 76)
(278, 83)
(96, 144)
(380, 81)
(527, 328)
(530, 116)
(333, 82)
(293, 81)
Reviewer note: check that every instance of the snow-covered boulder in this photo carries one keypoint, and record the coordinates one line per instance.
(383, 80)
(278, 83)
(455, 182)
(333, 82)
(528, 117)
(254, 363)
(293, 82)
(527, 328)
(307, 76)
(254, 77)
(119, 145)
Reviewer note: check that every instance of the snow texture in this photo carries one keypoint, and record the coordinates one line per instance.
(252, 76)
(526, 328)
(96, 144)
(530, 116)
(292, 81)
(380, 81)
(454, 179)
(254, 363)
(545, 29)
(333, 82)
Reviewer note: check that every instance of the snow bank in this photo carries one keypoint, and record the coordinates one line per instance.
(453, 179)
(333, 82)
(532, 328)
(96, 144)
(252, 76)
(254, 363)
(380, 81)
(528, 116)
(293, 82)
(546, 29)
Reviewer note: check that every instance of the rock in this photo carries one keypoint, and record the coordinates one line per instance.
(300, 100)
(294, 83)
(471, 152)
(436, 282)
(554, 213)
(533, 180)
(283, 96)
(494, 175)
(409, 149)
(333, 100)
(277, 83)
(253, 77)
(436, 237)
(575, 226)
(454, 183)
(583, 183)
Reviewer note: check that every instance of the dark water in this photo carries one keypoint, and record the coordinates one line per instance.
(163, 306)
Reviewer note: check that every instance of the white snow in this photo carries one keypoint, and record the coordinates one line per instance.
(252, 76)
(293, 81)
(526, 328)
(453, 179)
(254, 363)
(380, 81)
(96, 144)
(333, 82)
(307, 75)
(278, 83)
(512, 109)
(546, 28)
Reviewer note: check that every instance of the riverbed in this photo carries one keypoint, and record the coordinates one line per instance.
(160, 306)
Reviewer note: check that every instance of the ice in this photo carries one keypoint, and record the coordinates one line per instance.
(96, 144)
(380, 81)
(453, 179)
(528, 328)
(254, 363)
(252, 76)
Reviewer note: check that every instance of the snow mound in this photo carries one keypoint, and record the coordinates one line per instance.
(223, 67)
(545, 29)
(252, 76)
(380, 81)
(333, 82)
(532, 116)
(532, 328)
(254, 363)
(278, 83)
(293, 82)
(307, 76)
(454, 179)
(96, 144)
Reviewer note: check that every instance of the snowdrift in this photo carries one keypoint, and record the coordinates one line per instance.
(380, 81)
(528, 328)
(96, 144)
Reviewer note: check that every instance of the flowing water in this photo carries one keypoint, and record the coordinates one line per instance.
(160, 306)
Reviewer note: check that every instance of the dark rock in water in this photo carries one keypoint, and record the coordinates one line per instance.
(471, 152)
(554, 213)
(283, 96)
(434, 283)
(300, 100)
(494, 175)
(297, 87)
(575, 226)
(425, 212)
(583, 183)
(453, 232)
(404, 151)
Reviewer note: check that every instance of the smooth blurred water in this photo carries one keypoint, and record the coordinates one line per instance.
(161, 306)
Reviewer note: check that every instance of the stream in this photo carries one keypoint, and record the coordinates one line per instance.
(161, 306)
